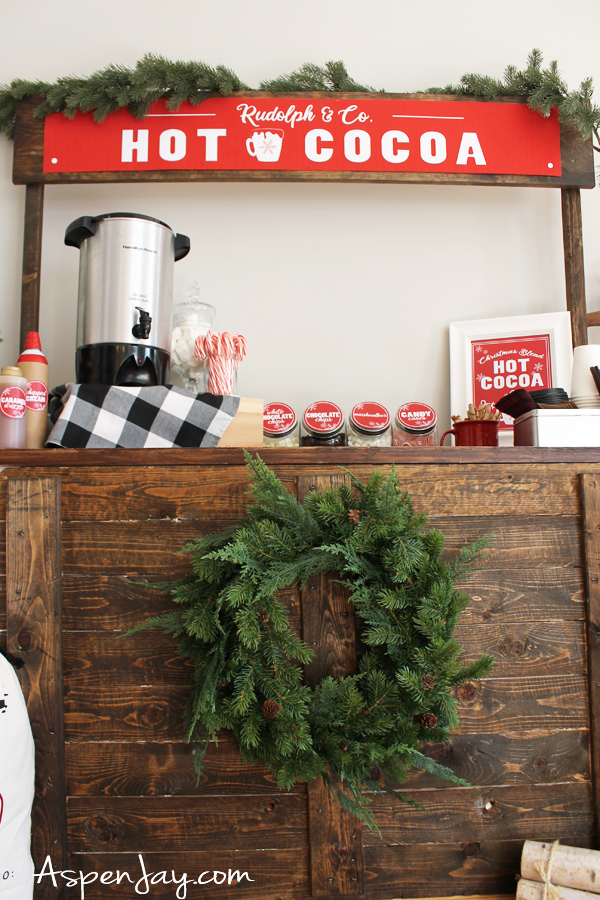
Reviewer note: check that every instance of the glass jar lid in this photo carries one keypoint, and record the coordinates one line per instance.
(279, 419)
(323, 418)
(416, 417)
(193, 309)
(370, 417)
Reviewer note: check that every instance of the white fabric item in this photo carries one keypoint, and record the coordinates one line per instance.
(17, 773)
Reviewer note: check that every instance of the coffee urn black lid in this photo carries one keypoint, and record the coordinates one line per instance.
(87, 226)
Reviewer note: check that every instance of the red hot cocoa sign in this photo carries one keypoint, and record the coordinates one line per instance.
(502, 365)
(311, 134)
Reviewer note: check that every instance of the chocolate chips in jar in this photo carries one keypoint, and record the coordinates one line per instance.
(415, 426)
(323, 425)
(280, 426)
(369, 425)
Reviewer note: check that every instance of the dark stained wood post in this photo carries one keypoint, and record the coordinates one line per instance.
(590, 490)
(335, 836)
(32, 260)
(34, 627)
(574, 271)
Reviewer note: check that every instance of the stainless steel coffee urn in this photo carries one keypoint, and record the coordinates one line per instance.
(125, 297)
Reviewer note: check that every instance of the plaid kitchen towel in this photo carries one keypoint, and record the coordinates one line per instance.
(102, 415)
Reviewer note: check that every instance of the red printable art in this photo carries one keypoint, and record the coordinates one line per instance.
(501, 365)
(284, 133)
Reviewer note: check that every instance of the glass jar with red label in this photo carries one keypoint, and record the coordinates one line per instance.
(369, 425)
(415, 426)
(281, 428)
(13, 404)
(323, 425)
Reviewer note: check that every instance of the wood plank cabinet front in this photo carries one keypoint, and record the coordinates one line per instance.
(526, 743)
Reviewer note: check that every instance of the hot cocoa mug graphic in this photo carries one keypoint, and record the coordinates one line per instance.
(265, 145)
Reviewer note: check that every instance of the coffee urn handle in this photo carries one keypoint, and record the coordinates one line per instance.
(79, 230)
(182, 246)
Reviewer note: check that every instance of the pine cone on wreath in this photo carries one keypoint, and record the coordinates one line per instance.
(427, 720)
(271, 709)
(354, 516)
(428, 682)
(263, 617)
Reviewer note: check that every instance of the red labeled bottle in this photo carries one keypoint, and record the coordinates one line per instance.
(323, 425)
(280, 426)
(34, 367)
(12, 408)
(416, 426)
(369, 425)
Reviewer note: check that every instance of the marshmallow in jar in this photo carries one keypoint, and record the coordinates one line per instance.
(191, 319)
(369, 425)
(280, 426)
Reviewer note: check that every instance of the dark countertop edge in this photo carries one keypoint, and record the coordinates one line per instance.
(308, 456)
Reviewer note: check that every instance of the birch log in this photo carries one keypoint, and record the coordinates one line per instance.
(571, 867)
(534, 890)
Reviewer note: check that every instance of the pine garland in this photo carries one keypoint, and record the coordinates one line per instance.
(247, 677)
(154, 78)
(542, 88)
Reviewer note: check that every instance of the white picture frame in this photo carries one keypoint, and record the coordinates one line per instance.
(554, 329)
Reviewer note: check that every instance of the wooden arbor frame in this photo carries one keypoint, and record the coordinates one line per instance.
(577, 173)
(35, 516)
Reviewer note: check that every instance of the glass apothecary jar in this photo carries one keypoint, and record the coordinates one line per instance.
(323, 425)
(191, 318)
(415, 426)
(281, 428)
(369, 425)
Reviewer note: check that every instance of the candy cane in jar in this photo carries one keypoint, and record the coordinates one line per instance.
(223, 353)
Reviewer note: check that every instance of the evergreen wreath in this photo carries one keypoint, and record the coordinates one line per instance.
(154, 78)
(247, 677)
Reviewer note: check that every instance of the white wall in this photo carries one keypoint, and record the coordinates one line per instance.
(343, 291)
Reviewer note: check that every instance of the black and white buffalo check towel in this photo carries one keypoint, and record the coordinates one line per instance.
(102, 415)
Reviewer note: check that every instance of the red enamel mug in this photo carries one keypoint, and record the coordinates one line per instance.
(473, 433)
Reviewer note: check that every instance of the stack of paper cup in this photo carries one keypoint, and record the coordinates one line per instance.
(584, 393)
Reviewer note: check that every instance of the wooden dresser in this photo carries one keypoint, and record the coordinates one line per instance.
(114, 779)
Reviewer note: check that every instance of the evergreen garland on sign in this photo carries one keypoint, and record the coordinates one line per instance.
(542, 88)
(309, 77)
(247, 677)
(154, 78)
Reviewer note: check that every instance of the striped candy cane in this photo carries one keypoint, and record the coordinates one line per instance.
(223, 353)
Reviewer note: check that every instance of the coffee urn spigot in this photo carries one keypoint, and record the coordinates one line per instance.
(142, 329)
